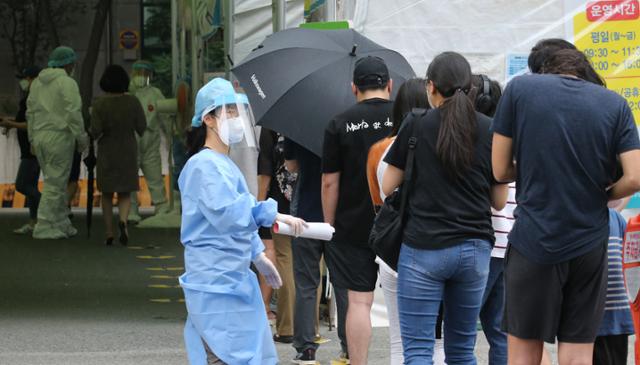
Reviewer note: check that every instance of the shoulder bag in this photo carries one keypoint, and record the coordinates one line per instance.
(387, 232)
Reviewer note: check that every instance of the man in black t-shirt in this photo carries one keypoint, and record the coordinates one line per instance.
(29, 169)
(275, 182)
(307, 254)
(345, 196)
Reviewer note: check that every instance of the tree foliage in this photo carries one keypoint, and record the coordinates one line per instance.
(34, 27)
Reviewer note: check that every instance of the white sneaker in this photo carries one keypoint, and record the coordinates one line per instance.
(26, 229)
(71, 231)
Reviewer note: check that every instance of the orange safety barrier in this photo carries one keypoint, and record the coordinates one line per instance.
(12, 199)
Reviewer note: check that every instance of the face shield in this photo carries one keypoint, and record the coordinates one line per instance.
(140, 78)
(234, 120)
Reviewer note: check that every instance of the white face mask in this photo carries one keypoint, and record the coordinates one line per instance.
(231, 130)
(24, 85)
(140, 81)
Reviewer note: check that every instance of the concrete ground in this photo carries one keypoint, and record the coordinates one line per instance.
(77, 301)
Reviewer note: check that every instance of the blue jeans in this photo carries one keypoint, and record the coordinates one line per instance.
(456, 274)
(491, 313)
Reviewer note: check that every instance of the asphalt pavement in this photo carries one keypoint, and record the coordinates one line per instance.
(76, 301)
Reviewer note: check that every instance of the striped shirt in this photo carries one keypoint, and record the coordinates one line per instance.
(617, 316)
(502, 222)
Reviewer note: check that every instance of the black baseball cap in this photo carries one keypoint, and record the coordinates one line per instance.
(370, 71)
(31, 72)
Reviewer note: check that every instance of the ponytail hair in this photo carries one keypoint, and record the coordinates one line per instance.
(450, 74)
(196, 138)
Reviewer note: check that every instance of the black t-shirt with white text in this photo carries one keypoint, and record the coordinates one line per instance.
(443, 211)
(347, 140)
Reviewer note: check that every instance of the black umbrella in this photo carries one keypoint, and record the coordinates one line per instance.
(298, 79)
(90, 162)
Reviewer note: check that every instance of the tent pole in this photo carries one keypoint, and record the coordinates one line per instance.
(279, 8)
(332, 10)
(229, 36)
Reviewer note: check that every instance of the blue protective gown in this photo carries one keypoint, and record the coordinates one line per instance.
(220, 221)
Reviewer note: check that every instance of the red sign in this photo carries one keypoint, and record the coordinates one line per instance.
(602, 11)
(129, 39)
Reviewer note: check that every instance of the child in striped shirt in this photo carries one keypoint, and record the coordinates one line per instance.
(611, 345)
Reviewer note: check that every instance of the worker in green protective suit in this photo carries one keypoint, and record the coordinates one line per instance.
(55, 129)
(149, 159)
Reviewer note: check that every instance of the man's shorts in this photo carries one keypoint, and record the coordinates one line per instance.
(351, 267)
(564, 300)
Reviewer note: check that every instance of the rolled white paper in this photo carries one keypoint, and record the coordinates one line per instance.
(317, 231)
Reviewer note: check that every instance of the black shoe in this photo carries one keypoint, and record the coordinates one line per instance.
(124, 237)
(108, 241)
(306, 357)
(282, 339)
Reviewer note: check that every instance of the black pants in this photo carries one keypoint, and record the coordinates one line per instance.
(306, 272)
(611, 350)
(27, 184)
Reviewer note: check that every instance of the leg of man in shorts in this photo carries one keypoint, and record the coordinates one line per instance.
(544, 302)
(354, 268)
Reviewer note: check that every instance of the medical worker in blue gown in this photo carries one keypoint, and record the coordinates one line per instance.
(226, 322)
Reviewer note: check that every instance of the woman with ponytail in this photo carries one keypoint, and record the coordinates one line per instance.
(448, 234)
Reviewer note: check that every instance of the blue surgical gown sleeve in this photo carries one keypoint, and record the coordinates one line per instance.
(265, 211)
(231, 209)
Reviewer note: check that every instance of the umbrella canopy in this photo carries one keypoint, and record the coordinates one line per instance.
(298, 79)
(90, 162)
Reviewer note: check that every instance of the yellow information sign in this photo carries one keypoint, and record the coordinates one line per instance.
(608, 33)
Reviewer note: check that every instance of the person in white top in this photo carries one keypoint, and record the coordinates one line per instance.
(488, 93)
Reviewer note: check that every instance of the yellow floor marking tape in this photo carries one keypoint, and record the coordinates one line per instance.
(169, 277)
(135, 248)
(146, 257)
(175, 268)
(159, 286)
(155, 269)
(180, 300)
(162, 300)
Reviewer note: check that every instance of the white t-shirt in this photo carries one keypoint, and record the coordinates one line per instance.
(503, 222)
(382, 166)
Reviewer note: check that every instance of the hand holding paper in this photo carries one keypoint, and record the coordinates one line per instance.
(318, 231)
(296, 225)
